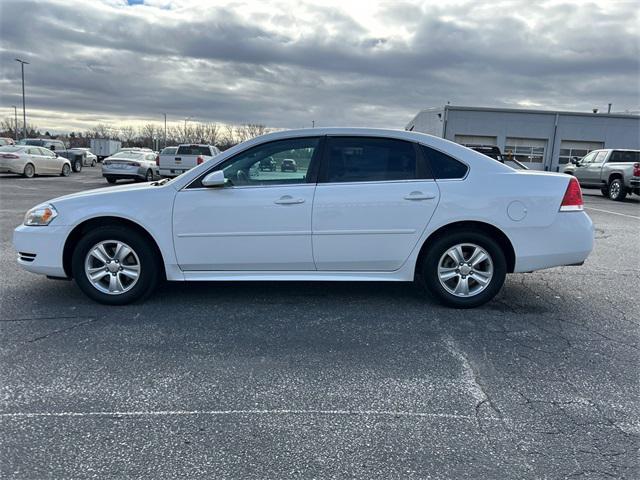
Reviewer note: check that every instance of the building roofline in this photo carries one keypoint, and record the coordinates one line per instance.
(526, 110)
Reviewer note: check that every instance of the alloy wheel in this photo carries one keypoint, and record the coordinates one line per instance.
(465, 270)
(112, 267)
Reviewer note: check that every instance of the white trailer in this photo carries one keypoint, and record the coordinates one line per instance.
(103, 147)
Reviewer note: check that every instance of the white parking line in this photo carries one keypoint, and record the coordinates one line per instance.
(147, 413)
(612, 213)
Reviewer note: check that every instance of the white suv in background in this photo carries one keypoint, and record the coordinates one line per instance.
(185, 158)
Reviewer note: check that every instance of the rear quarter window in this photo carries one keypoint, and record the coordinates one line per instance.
(443, 166)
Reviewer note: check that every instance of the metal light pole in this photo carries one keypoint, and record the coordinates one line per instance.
(165, 129)
(15, 114)
(24, 110)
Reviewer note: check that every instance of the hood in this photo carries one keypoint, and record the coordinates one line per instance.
(103, 192)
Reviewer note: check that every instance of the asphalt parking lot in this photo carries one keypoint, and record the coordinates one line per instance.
(323, 380)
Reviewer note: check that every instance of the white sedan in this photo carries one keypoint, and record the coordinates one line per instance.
(28, 161)
(365, 205)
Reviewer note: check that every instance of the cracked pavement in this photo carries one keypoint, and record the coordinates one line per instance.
(331, 380)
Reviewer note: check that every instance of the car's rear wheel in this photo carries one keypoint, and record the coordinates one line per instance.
(93, 163)
(77, 166)
(110, 180)
(617, 190)
(29, 171)
(115, 265)
(149, 176)
(464, 269)
(66, 170)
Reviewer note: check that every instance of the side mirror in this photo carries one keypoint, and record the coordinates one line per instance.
(214, 179)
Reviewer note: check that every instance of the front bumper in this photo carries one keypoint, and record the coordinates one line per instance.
(40, 249)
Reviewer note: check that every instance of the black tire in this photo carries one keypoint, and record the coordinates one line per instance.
(437, 250)
(66, 170)
(111, 180)
(77, 166)
(617, 190)
(149, 176)
(93, 163)
(29, 171)
(150, 268)
(605, 191)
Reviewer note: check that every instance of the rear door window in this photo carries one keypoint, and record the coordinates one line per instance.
(369, 159)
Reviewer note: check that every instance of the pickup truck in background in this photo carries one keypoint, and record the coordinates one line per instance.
(615, 172)
(174, 161)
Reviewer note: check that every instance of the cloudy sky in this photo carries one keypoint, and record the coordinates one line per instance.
(288, 63)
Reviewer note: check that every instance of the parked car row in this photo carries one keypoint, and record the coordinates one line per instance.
(615, 172)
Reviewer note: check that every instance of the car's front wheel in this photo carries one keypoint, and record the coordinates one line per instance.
(111, 180)
(115, 265)
(464, 269)
(77, 166)
(617, 190)
(66, 170)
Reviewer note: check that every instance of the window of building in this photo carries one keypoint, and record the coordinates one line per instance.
(525, 150)
(578, 149)
(476, 140)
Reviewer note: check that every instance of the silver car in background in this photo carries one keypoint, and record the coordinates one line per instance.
(29, 161)
(136, 165)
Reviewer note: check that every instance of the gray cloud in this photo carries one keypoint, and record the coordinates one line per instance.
(120, 64)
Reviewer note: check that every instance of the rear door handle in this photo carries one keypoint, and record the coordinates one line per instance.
(288, 200)
(420, 196)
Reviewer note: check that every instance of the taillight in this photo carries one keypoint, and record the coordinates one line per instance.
(133, 164)
(572, 200)
(199, 160)
(636, 169)
(9, 155)
(158, 160)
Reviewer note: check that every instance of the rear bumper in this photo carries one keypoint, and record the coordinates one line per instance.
(11, 167)
(40, 249)
(567, 241)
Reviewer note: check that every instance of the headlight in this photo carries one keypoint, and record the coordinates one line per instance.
(40, 215)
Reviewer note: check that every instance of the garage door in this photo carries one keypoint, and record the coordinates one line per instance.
(573, 148)
(476, 140)
(530, 151)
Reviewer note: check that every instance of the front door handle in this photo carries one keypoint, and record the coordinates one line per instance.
(420, 196)
(288, 200)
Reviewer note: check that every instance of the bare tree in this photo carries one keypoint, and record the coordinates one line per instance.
(128, 134)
